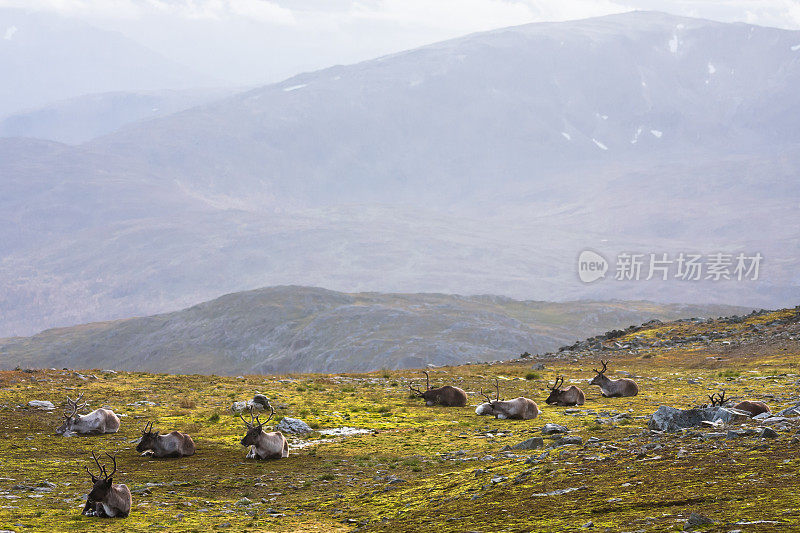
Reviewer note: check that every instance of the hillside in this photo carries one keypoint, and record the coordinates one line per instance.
(302, 329)
(505, 152)
(80, 119)
(437, 468)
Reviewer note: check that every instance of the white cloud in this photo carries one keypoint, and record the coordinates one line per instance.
(9, 34)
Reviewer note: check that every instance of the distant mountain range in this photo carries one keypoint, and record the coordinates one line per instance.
(483, 164)
(303, 329)
(45, 57)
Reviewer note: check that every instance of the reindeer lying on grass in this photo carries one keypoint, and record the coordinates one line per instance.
(447, 395)
(175, 444)
(750, 406)
(520, 408)
(97, 422)
(572, 395)
(107, 499)
(614, 388)
(263, 445)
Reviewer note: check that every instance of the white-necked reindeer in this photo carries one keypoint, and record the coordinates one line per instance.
(107, 499)
(614, 388)
(95, 423)
(264, 445)
(175, 444)
(520, 408)
(572, 395)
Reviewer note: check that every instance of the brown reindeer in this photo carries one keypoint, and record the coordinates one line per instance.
(572, 395)
(175, 444)
(447, 395)
(107, 499)
(263, 445)
(749, 406)
(97, 422)
(613, 388)
(520, 408)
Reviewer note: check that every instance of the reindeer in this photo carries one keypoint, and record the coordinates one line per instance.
(613, 388)
(572, 395)
(447, 396)
(264, 445)
(520, 408)
(175, 444)
(107, 499)
(97, 422)
(749, 406)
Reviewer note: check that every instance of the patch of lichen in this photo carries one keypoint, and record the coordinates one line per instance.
(422, 467)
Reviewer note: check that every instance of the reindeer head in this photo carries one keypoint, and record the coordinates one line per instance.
(148, 439)
(488, 408)
(71, 415)
(601, 374)
(254, 427)
(102, 483)
(429, 395)
(555, 391)
(718, 399)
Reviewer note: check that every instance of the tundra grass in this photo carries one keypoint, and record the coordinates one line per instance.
(419, 467)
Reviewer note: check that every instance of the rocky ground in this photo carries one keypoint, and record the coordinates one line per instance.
(378, 460)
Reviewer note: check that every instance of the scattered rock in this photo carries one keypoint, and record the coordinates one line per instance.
(44, 405)
(569, 439)
(530, 444)
(768, 433)
(696, 520)
(293, 425)
(668, 418)
(261, 400)
(550, 429)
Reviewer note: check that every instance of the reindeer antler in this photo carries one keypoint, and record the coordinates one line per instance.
(414, 390)
(427, 380)
(605, 366)
(74, 405)
(271, 413)
(557, 384)
(113, 458)
(246, 423)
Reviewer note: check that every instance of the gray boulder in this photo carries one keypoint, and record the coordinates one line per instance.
(44, 405)
(550, 429)
(530, 444)
(668, 418)
(293, 425)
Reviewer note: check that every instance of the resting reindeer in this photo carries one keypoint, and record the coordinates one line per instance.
(447, 396)
(264, 445)
(107, 499)
(572, 395)
(614, 388)
(175, 444)
(752, 407)
(519, 408)
(97, 422)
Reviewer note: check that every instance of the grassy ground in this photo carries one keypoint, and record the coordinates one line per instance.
(421, 467)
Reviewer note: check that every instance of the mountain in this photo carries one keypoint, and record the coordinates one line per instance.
(46, 57)
(484, 164)
(80, 119)
(304, 329)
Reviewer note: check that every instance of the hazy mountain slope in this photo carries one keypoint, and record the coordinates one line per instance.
(292, 329)
(479, 165)
(45, 57)
(82, 118)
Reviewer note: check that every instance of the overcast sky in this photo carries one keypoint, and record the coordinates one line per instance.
(251, 42)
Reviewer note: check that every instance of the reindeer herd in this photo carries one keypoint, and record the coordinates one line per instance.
(108, 499)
